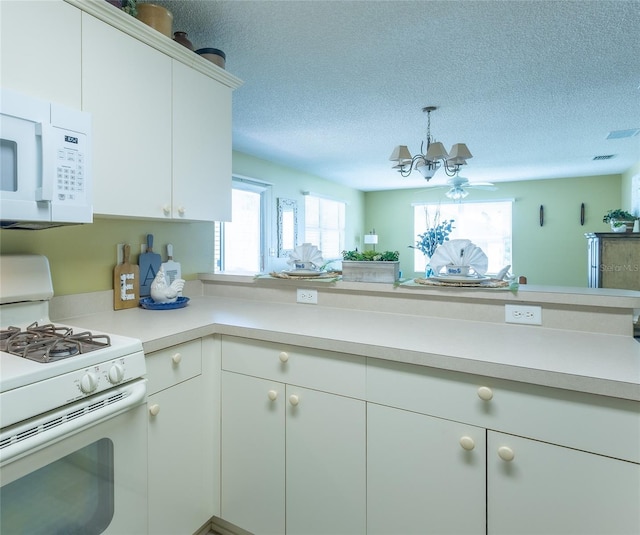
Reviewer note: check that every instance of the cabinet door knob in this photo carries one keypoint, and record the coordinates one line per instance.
(154, 409)
(284, 356)
(166, 209)
(294, 400)
(273, 394)
(181, 210)
(506, 453)
(176, 358)
(485, 393)
(467, 443)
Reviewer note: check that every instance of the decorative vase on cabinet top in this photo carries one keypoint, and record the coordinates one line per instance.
(158, 17)
(183, 39)
(214, 55)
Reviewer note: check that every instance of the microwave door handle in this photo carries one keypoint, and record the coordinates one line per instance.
(45, 137)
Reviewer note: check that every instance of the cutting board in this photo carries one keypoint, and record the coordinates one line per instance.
(172, 269)
(126, 282)
(149, 265)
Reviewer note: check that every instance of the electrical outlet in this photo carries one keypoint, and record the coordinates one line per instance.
(531, 315)
(308, 297)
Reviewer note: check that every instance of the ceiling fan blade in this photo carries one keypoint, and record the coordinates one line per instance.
(481, 186)
(436, 186)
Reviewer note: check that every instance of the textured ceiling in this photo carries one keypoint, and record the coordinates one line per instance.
(330, 87)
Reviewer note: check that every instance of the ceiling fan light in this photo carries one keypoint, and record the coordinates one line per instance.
(456, 193)
(400, 154)
(459, 154)
(436, 151)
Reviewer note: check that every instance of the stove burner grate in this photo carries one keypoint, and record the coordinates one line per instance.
(50, 343)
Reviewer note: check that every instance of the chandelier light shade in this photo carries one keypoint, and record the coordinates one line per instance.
(429, 161)
(401, 155)
(459, 154)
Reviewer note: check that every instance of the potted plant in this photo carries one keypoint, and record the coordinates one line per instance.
(130, 7)
(619, 218)
(370, 266)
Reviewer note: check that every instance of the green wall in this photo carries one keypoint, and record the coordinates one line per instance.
(82, 257)
(289, 184)
(554, 254)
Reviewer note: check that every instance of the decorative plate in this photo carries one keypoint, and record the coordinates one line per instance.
(303, 272)
(150, 304)
(460, 278)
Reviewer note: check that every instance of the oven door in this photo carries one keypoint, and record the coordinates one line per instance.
(91, 481)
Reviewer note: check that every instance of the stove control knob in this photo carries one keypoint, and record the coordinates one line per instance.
(88, 383)
(116, 374)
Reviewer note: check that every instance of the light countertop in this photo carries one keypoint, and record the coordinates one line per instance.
(604, 364)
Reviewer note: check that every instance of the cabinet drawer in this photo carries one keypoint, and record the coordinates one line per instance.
(337, 373)
(173, 365)
(583, 421)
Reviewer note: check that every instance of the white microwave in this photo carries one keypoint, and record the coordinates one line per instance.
(45, 163)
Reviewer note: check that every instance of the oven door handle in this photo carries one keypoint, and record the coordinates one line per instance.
(27, 437)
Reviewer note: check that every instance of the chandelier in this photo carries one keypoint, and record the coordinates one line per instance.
(435, 157)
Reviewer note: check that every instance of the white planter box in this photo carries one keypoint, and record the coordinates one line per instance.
(367, 271)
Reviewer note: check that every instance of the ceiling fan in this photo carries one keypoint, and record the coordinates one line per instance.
(458, 187)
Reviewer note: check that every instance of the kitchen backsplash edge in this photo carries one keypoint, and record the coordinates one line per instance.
(68, 306)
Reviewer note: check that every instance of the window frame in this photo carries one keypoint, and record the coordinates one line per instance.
(341, 228)
(264, 189)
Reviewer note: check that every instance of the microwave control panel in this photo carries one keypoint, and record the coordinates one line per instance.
(70, 173)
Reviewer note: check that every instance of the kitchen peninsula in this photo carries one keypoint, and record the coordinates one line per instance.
(408, 395)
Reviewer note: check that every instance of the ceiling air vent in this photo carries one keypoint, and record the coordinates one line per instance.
(604, 157)
(620, 134)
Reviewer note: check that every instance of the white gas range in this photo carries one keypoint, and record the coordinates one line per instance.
(68, 397)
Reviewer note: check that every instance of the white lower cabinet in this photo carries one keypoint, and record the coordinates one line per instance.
(317, 442)
(293, 457)
(180, 456)
(556, 462)
(253, 461)
(549, 489)
(424, 474)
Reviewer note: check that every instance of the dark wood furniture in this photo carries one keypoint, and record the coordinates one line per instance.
(614, 260)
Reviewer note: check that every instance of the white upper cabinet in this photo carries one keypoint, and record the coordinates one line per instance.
(161, 113)
(162, 122)
(201, 147)
(126, 85)
(40, 50)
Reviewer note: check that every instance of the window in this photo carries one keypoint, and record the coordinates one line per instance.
(324, 223)
(240, 244)
(486, 224)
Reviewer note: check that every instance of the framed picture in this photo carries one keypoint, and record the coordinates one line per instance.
(287, 226)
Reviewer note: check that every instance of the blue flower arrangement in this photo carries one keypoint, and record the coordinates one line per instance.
(437, 233)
